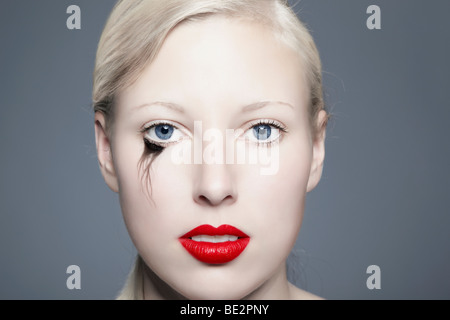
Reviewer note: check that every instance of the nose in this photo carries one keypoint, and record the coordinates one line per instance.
(213, 185)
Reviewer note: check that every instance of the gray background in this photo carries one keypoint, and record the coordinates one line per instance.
(383, 198)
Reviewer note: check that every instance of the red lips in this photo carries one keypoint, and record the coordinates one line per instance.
(207, 251)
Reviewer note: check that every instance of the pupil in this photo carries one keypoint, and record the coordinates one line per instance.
(165, 130)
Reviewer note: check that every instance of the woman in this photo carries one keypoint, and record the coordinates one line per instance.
(186, 94)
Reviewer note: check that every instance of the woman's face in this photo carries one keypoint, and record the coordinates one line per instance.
(211, 76)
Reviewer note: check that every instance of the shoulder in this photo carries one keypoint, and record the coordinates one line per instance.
(299, 294)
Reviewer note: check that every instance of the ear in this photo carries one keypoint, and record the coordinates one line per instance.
(105, 159)
(318, 152)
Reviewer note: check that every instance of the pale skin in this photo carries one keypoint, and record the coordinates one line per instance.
(211, 70)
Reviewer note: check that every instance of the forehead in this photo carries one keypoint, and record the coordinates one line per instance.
(221, 61)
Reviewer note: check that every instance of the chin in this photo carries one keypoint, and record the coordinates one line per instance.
(216, 294)
(218, 285)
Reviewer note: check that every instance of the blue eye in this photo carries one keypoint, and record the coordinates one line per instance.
(163, 134)
(265, 132)
(164, 131)
(262, 131)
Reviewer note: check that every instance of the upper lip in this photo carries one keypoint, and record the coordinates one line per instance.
(206, 229)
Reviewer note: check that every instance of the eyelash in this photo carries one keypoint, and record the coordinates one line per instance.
(283, 130)
(152, 147)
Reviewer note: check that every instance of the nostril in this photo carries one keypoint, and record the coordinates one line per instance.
(213, 186)
(229, 197)
(211, 201)
(204, 199)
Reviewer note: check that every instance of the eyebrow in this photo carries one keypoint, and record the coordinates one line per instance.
(169, 105)
(263, 104)
(251, 107)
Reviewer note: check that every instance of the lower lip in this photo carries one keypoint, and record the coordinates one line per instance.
(215, 253)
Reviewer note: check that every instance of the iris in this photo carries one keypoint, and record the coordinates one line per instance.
(164, 131)
(262, 131)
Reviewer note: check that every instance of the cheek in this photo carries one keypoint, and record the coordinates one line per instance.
(292, 177)
(277, 202)
(132, 195)
(149, 197)
(134, 188)
(282, 192)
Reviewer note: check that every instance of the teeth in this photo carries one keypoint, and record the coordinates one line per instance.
(214, 239)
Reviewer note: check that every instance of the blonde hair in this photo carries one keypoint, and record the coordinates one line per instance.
(136, 30)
